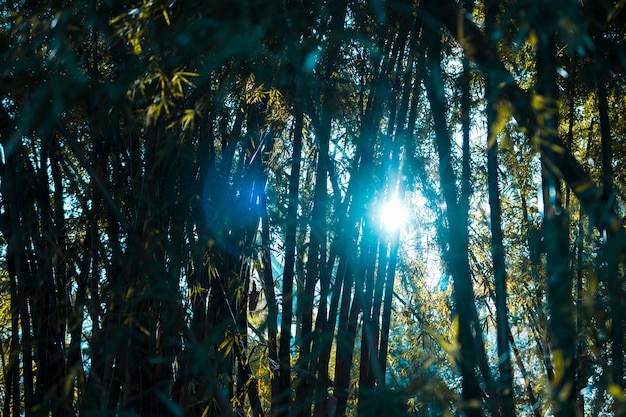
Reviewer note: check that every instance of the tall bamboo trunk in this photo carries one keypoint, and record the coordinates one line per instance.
(284, 352)
(456, 257)
(497, 246)
(561, 330)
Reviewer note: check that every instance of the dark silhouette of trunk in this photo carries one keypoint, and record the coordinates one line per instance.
(397, 188)
(11, 181)
(614, 277)
(17, 189)
(368, 273)
(605, 137)
(11, 372)
(326, 321)
(284, 353)
(353, 260)
(497, 246)
(48, 326)
(27, 355)
(316, 263)
(323, 110)
(350, 263)
(561, 330)
(268, 289)
(101, 373)
(377, 270)
(387, 297)
(387, 308)
(582, 373)
(346, 330)
(456, 256)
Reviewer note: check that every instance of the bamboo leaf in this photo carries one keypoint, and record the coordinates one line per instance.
(504, 112)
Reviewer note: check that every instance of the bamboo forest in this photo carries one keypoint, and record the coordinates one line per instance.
(313, 208)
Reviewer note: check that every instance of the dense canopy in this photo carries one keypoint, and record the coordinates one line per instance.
(312, 208)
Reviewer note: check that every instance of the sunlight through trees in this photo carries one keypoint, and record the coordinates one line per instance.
(312, 209)
(392, 215)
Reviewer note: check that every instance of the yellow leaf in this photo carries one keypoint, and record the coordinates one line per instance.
(565, 391)
(166, 16)
(223, 344)
(136, 45)
(557, 148)
(164, 102)
(448, 347)
(176, 87)
(616, 391)
(504, 113)
(188, 118)
(532, 38)
(593, 283)
(187, 74)
(475, 403)
(180, 76)
(559, 365)
(582, 186)
(114, 20)
(153, 113)
(143, 330)
(538, 102)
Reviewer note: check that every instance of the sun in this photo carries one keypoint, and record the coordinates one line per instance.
(392, 215)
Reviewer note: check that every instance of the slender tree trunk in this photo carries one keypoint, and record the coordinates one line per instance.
(308, 393)
(616, 294)
(316, 263)
(346, 332)
(376, 248)
(577, 265)
(388, 300)
(270, 296)
(284, 353)
(27, 355)
(561, 330)
(12, 380)
(48, 323)
(10, 228)
(370, 273)
(375, 378)
(582, 371)
(456, 257)
(497, 245)
(605, 138)
(16, 188)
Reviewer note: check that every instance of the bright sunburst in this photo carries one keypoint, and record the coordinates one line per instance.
(392, 215)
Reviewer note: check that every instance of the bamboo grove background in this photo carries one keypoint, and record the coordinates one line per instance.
(189, 208)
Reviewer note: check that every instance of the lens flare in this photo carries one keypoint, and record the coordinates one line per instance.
(392, 215)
